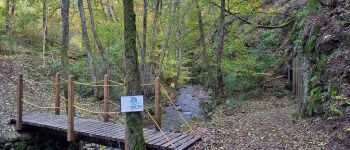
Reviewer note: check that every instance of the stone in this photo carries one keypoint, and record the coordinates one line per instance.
(12, 136)
(179, 108)
(347, 110)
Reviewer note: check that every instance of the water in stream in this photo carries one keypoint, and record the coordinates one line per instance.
(187, 102)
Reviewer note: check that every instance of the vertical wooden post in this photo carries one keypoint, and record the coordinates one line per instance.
(294, 75)
(57, 94)
(298, 78)
(71, 111)
(106, 99)
(19, 124)
(288, 74)
(158, 111)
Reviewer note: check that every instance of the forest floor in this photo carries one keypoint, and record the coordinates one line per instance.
(271, 124)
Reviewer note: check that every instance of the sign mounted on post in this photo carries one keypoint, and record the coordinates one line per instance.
(132, 103)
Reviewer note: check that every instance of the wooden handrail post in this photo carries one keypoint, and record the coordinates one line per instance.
(71, 110)
(57, 94)
(106, 99)
(158, 111)
(19, 122)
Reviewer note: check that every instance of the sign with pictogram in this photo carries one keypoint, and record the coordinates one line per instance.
(132, 103)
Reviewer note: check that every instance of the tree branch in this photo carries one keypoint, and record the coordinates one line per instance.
(249, 23)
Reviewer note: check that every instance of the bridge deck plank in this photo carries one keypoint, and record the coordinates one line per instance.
(108, 131)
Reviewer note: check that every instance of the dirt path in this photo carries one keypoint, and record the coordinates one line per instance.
(269, 124)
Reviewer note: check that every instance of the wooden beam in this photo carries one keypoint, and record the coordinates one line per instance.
(57, 94)
(158, 110)
(19, 123)
(106, 99)
(71, 111)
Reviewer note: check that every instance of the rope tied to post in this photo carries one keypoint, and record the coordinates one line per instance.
(40, 107)
(160, 129)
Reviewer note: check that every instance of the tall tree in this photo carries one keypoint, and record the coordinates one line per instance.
(86, 43)
(201, 36)
(110, 10)
(102, 3)
(179, 50)
(13, 7)
(134, 133)
(44, 28)
(65, 42)
(97, 39)
(168, 36)
(7, 12)
(219, 53)
(144, 68)
(154, 32)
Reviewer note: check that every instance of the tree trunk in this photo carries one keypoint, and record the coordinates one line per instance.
(202, 37)
(65, 43)
(134, 139)
(219, 53)
(166, 45)
(144, 35)
(7, 12)
(13, 7)
(97, 39)
(44, 28)
(144, 67)
(110, 10)
(154, 32)
(179, 53)
(102, 3)
(86, 43)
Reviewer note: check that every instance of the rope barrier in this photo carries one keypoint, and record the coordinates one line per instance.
(121, 84)
(35, 82)
(167, 95)
(41, 107)
(97, 85)
(147, 84)
(93, 112)
(160, 129)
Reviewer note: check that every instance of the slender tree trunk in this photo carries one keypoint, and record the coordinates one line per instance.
(110, 10)
(44, 28)
(102, 3)
(144, 68)
(144, 35)
(166, 45)
(65, 43)
(154, 32)
(179, 53)
(202, 37)
(219, 53)
(7, 12)
(97, 39)
(86, 42)
(13, 7)
(134, 139)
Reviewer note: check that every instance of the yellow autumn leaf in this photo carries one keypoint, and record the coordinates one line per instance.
(348, 129)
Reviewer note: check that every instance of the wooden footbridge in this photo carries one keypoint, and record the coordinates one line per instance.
(100, 132)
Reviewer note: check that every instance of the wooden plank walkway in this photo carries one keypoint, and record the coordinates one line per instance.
(109, 131)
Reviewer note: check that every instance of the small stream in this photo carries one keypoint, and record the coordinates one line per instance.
(187, 101)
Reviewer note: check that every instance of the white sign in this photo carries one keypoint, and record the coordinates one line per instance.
(132, 103)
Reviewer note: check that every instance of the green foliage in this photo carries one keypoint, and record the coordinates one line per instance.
(216, 120)
(313, 5)
(271, 38)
